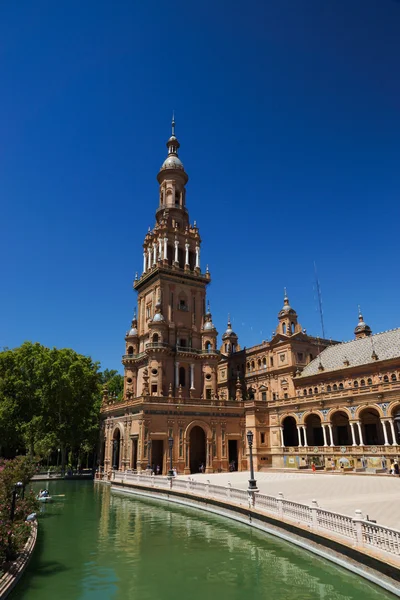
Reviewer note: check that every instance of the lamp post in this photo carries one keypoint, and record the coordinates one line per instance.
(17, 488)
(170, 444)
(149, 454)
(58, 456)
(252, 481)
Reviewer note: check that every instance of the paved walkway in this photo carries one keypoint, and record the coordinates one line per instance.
(377, 496)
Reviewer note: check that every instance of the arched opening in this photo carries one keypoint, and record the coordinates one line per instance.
(341, 429)
(292, 327)
(207, 346)
(250, 393)
(290, 433)
(116, 449)
(283, 327)
(155, 338)
(396, 419)
(182, 376)
(130, 350)
(315, 435)
(372, 427)
(197, 442)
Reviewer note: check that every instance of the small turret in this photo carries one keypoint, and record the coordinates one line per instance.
(229, 340)
(362, 329)
(287, 317)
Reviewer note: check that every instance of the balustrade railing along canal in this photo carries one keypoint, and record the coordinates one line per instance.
(356, 532)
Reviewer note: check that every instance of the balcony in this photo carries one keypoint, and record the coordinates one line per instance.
(151, 345)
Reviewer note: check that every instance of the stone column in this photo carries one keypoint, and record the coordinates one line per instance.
(154, 253)
(176, 375)
(282, 438)
(305, 435)
(176, 244)
(144, 261)
(385, 432)
(149, 258)
(331, 434)
(160, 256)
(353, 437)
(299, 436)
(186, 254)
(324, 432)
(192, 376)
(394, 442)
(165, 248)
(360, 433)
(197, 257)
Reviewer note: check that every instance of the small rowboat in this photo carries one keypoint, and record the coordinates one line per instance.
(45, 499)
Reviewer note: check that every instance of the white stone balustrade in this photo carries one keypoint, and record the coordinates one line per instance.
(357, 531)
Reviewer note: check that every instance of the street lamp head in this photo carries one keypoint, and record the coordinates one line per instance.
(171, 441)
(250, 438)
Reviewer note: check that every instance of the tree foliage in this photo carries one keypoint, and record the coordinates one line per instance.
(49, 399)
(13, 534)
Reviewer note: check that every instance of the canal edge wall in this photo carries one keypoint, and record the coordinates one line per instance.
(10, 579)
(369, 567)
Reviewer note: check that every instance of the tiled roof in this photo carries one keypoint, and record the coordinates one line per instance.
(357, 352)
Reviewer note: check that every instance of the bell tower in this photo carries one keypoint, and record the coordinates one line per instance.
(170, 355)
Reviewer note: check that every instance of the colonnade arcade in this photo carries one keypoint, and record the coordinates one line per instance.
(194, 448)
(366, 426)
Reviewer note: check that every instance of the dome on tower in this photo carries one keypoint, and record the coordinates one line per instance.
(286, 309)
(362, 329)
(229, 331)
(208, 324)
(133, 331)
(158, 317)
(172, 161)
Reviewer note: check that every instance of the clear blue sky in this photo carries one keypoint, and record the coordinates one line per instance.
(288, 114)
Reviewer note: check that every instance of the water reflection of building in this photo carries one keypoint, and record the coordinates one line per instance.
(216, 551)
(306, 399)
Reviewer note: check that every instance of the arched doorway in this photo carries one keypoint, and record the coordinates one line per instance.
(315, 435)
(116, 449)
(372, 427)
(396, 419)
(290, 433)
(197, 440)
(341, 429)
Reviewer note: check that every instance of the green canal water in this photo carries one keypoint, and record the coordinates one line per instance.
(94, 545)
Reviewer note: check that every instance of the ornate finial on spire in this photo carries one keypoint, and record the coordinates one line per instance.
(229, 320)
(284, 293)
(360, 317)
(136, 276)
(173, 123)
(208, 307)
(207, 271)
(134, 313)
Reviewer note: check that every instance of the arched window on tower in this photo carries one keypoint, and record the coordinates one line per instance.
(207, 346)
(182, 376)
(283, 328)
(177, 198)
(130, 350)
(155, 338)
(292, 327)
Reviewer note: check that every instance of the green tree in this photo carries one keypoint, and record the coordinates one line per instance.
(114, 381)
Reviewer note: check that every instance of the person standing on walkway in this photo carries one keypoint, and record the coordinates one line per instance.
(313, 467)
(396, 468)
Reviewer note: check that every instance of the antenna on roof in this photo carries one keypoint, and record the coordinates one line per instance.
(319, 297)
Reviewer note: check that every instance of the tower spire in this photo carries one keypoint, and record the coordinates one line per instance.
(173, 123)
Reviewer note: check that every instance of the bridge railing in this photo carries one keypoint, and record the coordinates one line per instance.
(355, 531)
